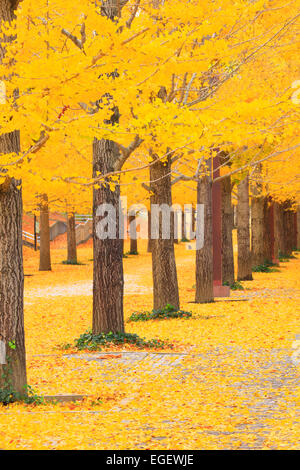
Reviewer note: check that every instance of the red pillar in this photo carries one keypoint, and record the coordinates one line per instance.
(219, 289)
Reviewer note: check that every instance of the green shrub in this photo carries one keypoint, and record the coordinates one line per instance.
(167, 312)
(266, 267)
(73, 263)
(94, 342)
(236, 285)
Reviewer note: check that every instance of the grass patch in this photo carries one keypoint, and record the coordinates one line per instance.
(167, 312)
(8, 395)
(286, 258)
(236, 285)
(184, 240)
(72, 263)
(132, 253)
(266, 267)
(94, 342)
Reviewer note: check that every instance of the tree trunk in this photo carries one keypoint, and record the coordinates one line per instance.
(45, 258)
(13, 359)
(267, 239)
(295, 239)
(71, 237)
(108, 283)
(149, 246)
(298, 228)
(287, 227)
(133, 234)
(243, 232)
(175, 226)
(13, 367)
(204, 256)
(257, 230)
(275, 233)
(164, 272)
(184, 234)
(279, 229)
(193, 222)
(227, 227)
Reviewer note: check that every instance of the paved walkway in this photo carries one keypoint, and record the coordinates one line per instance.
(264, 382)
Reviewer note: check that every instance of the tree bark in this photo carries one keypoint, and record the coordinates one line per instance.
(243, 232)
(149, 246)
(108, 283)
(193, 222)
(267, 241)
(184, 235)
(287, 229)
(257, 230)
(13, 370)
(204, 256)
(298, 228)
(164, 272)
(279, 228)
(227, 227)
(13, 363)
(71, 238)
(175, 227)
(45, 257)
(133, 234)
(295, 224)
(275, 231)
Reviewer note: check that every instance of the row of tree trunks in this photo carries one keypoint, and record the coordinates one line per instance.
(164, 272)
(13, 363)
(243, 232)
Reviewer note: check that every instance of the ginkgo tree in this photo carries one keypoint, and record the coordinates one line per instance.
(123, 75)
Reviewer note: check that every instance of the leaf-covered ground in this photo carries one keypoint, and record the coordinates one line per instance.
(229, 382)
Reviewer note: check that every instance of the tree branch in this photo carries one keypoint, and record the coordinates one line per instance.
(125, 152)
(133, 14)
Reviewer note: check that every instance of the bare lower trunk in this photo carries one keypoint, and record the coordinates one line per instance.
(132, 234)
(12, 343)
(268, 229)
(193, 222)
(184, 234)
(108, 284)
(298, 228)
(279, 229)
(165, 283)
(257, 230)
(275, 231)
(243, 232)
(45, 258)
(295, 238)
(71, 236)
(287, 229)
(204, 256)
(149, 246)
(227, 227)
(175, 225)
